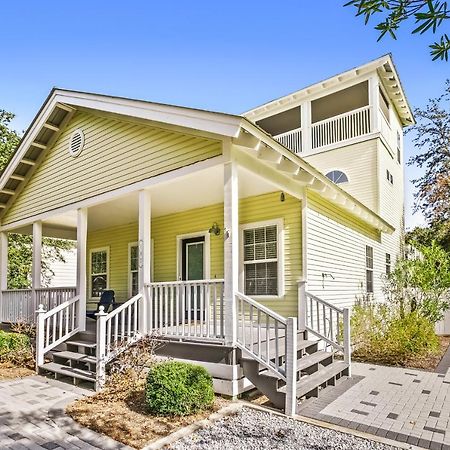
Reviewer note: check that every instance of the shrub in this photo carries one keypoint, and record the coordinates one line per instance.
(381, 334)
(15, 348)
(178, 389)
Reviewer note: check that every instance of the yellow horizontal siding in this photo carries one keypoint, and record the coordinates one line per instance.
(115, 154)
(165, 230)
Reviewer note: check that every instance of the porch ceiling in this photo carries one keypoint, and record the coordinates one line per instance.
(196, 190)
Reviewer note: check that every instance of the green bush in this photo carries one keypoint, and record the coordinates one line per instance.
(380, 334)
(178, 389)
(13, 346)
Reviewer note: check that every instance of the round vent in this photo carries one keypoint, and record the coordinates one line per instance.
(76, 143)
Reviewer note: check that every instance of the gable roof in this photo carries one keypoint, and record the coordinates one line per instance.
(386, 70)
(61, 104)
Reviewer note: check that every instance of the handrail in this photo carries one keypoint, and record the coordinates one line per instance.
(123, 306)
(164, 283)
(324, 302)
(54, 288)
(262, 308)
(340, 116)
(17, 290)
(60, 307)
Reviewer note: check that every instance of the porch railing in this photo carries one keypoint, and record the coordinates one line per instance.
(21, 304)
(115, 332)
(325, 321)
(291, 139)
(55, 326)
(187, 309)
(341, 128)
(17, 305)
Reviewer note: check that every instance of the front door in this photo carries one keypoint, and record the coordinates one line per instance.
(193, 268)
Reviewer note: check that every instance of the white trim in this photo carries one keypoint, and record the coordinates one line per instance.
(80, 133)
(280, 256)
(130, 284)
(206, 253)
(97, 250)
(338, 170)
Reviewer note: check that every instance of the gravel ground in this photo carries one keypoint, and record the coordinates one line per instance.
(254, 430)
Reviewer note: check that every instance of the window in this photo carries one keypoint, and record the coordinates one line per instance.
(133, 269)
(336, 176)
(388, 263)
(261, 260)
(389, 177)
(384, 105)
(99, 270)
(369, 269)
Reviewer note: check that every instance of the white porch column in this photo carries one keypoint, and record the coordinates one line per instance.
(374, 102)
(145, 223)
(82, 224)
(306, 126)
(3, 269)
(231, 250)
(36, 266)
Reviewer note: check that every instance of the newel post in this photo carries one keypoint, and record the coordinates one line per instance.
(347, 340)
(40, 336)
(302, 311)
(290, 408)
(101, 348)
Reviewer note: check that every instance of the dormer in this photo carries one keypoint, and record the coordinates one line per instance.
(351, 107)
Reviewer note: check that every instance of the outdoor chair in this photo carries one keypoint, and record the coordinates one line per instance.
(107, 300)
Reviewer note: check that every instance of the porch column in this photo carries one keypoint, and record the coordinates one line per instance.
(36, 266)
(374, 102)
(145, 223)
(3, 269)
(82, 224)
(231, 250)
(306, 126)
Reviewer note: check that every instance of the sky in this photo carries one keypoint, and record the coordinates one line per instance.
(225, 56)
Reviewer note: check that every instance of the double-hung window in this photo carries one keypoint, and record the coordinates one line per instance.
(369, 269)
(133, 269)
(99, 271)
(262, 265)
(388, 263)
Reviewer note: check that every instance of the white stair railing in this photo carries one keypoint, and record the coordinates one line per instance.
(326, 321)
(261, 334)
(116, 331)
(187, 309)
(55, 326)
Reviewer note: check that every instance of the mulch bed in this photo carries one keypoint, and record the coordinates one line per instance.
(10, 371)
(426, 362)
(127, 420)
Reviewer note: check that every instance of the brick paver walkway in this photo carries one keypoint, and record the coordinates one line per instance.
(32, 417)
(401, 404)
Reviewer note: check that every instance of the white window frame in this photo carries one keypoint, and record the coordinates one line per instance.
(280, 256)
(136, 244)
(369, 269)
(206, 253)
(338, 170)
(97, 250)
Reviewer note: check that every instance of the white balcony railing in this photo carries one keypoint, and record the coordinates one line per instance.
(341, 128)
(291, 139)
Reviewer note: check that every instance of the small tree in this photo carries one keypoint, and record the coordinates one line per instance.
(421, 284)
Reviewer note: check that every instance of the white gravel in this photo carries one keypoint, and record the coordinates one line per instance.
(253, 430)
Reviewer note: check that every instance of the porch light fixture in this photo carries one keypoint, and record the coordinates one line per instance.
(215, 229)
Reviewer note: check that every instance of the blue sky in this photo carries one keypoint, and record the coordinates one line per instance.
(225, 56)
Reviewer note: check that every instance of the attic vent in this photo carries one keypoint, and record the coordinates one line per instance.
(76, 143)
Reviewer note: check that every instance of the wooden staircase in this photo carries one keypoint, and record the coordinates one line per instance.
(316, 369)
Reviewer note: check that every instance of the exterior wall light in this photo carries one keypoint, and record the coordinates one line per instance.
(215, 229)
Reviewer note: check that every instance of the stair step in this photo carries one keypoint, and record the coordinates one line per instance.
(78, 357)
(314, 358)
(81, 374)
(80, 343)
(311, 382)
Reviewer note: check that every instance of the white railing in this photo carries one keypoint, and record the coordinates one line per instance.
(271, 340)
(115, 332)
(55, 326)
(17, 306)
(187, 309)
(52, 297)
(341, 128)
(325, 321)
(291, 139)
